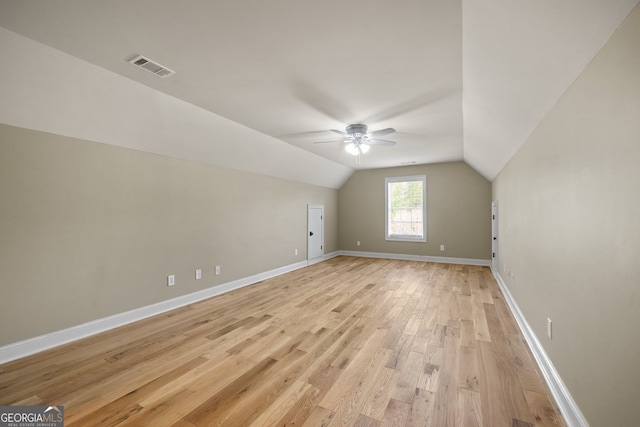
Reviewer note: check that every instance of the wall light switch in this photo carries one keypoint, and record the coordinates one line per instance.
(549, 328)
(295, 252)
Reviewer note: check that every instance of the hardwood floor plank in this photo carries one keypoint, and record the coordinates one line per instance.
(320, 417)
(427, 321)
(433, 355)
(516, 404)
(396, 414)
(469, 408)
(208, 411)
(352, 402)
(467, 333)
(209, 378)
(282, 404)
(401, 351)
(348, 341)
(545, 414)
(446, 396)
(167, 412)
(345, 357)
(356, 371)
(182, 423)
(299, 411)
(305, 406)
(30, 401)
(506, 318)
(376, 406)
(330, 346)
(465, 305)
(530, 378)
(254, 401)
(364, 421)
(421, 413)
(400, 323)
(498, 377)
(130, 404)
(493, 405)
(324, 380)
(428, 378)
(438, 334)
(468, 375)
(85, 398)
(479, 320)
(407, 380)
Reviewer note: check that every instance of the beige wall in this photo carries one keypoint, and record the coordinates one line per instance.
(89, 230)
(458, 212)
(569, 209)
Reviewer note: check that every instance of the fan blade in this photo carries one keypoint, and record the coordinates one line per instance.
(321, 102)
(326, 142)
(381, 132)
(430, 100)
(380, 142)
(339, 132)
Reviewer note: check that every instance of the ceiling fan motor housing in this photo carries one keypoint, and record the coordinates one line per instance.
(357, 130)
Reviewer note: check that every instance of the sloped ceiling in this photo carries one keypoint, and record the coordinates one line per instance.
(458, 80)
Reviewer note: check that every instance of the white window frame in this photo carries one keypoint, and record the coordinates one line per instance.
(405, 238)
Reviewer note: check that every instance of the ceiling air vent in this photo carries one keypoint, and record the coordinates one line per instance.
(151, 66)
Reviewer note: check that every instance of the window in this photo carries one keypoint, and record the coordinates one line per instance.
(406, 212)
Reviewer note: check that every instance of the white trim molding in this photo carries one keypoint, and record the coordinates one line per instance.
(406, 257)
(43, 342)
(568, 407)
(323, 258)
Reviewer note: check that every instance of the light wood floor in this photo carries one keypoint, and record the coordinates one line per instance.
(349, 341)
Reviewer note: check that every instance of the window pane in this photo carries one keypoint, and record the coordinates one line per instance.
(405, 209)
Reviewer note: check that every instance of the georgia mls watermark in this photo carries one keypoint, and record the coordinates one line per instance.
(31, 416)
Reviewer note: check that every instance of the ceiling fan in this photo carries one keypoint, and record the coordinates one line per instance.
(358, 141)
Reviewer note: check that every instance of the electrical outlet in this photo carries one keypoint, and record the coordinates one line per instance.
(295, 252)
(442, 247)
(198, 274)
(358, 243)
(549, 328)
(217, 270)
(171, 280)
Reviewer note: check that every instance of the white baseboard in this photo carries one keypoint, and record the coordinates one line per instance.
(568, 407)
(43, 342)
(323, 258)
(445, 260)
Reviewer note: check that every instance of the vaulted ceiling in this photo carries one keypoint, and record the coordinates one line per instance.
(458, 80)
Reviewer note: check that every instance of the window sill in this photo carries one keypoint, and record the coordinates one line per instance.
(405, 239)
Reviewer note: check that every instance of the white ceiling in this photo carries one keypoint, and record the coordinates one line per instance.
(458, 80)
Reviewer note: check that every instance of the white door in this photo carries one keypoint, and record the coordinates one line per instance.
(315, 232)
(494, 236)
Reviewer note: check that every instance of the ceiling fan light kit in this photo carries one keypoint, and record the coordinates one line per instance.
(359, 141)
(352, 148)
